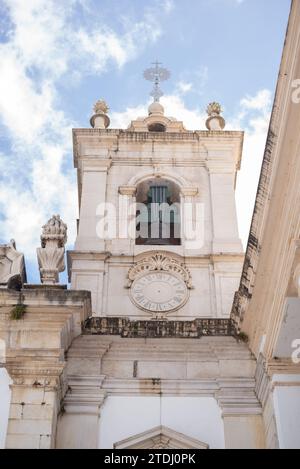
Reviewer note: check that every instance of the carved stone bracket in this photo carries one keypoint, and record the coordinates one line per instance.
(51, 255)
(159, 261)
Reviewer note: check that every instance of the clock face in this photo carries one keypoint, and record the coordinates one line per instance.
(159, 292)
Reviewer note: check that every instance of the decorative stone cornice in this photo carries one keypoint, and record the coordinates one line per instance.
(234, 396)
(238, 398)
(84, 395)
(38, 376)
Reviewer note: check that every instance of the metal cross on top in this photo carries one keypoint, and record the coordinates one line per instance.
(156, 74)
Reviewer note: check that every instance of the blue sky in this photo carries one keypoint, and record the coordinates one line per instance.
(58, 57)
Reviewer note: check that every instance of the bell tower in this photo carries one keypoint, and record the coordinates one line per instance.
(157, 230)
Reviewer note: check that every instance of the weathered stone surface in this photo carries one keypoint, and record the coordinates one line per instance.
(51, 254)
(12, 266)
(162, 328)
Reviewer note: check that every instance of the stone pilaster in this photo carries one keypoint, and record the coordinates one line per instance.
(35, 398)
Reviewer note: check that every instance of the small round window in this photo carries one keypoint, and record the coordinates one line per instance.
(156, 127)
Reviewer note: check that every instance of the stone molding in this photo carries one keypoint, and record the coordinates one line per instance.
(84, 395)
(235, 396)
(158, 172)
(51, 254)
(189, 191)
(126, 328)
(127, 190)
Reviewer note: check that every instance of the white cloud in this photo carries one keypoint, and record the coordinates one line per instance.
(192, 81)
(184, 87)
(174, 107)
(254, 118)
(121, 120)
(168, 5)
(260, 102)
(100, 44)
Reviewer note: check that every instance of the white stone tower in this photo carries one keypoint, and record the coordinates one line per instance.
(192, 175)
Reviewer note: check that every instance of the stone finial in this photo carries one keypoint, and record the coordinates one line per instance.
(100, 119)
(51, 256)
(100, 107)
(215, 121)
(12, 266)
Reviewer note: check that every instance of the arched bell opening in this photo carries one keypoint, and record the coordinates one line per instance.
(158, 213)
(156, 127)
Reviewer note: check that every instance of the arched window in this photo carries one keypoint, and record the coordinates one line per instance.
(158, 213)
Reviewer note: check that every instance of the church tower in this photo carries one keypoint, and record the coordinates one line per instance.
(157, 230)
(147, 349)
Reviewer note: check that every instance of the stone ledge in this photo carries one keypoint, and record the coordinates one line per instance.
(158, 328)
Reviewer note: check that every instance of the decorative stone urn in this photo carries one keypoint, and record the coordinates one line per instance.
(100, 119)
(215, 121)
(51, 256)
